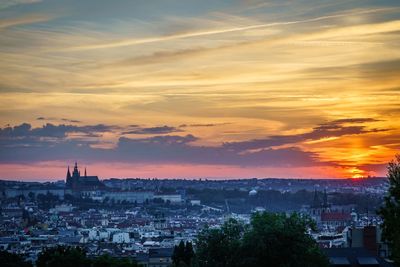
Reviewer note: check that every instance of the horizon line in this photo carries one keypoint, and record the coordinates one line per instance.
(37, 180)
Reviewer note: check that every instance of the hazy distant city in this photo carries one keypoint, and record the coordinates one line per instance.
(145, 218)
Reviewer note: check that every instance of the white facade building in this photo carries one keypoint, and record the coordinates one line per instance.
(121, 237)
(129, 196)
(175, 198)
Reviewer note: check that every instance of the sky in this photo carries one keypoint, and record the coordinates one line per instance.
(199, 89)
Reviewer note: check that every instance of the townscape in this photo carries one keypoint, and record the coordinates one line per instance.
(199, 133)
(144, 219)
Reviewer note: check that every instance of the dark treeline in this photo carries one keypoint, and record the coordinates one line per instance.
(62, 256)
(238, 201)
(276, 201)
(271, 239)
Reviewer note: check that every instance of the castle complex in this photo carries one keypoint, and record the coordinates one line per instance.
(76, 182)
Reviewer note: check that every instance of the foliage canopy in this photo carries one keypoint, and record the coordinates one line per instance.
(390, 212)
(270, 240)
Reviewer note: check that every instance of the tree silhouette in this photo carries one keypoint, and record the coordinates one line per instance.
(390, 212)
(220, 247)
(189, 253)
(13, 260)
(61, 256)
(108, 261)
(270, 240)
(183, 254)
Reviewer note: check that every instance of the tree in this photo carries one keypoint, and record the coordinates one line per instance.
(31, 196)
(13, 260)
(61, 256)
(183, 254)
(179, 253)
(189, 253)
(47, 201)
(270, 240)
(220, 247)
(281, 240)
(390, 212)
(108, 261)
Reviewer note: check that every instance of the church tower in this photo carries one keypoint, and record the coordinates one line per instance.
(76, 173)
(316, 203)
(69, 178)
(73, 180)
(325, 205)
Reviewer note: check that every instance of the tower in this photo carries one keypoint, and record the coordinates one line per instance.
(73, 180)
(75, 173)
(69, 178)
(325, 204)
(316, 202)
(316, 205)
(68, 174)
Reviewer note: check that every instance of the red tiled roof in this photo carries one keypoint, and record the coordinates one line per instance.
(335, 216)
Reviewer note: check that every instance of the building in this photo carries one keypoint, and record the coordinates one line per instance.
(336, 219)
(11, 212)
(160, 257)
(129, 196)
(172, 198)
(370, 238)
(121, 237)
(318, 207)
(160, 222)
(328, 216)
(354, 257)
(195, 202)
(62, 208)
(76, 182)
(34, 191)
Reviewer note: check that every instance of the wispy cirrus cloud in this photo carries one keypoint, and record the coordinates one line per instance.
(24, 20)
(203, 125)
(9, 3)
(135, 41)
(26, 130)
(318, 79)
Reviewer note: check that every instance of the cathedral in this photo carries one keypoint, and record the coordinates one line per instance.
(78, 182)
(318, 207)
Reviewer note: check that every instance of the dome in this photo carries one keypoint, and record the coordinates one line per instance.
(253, 192)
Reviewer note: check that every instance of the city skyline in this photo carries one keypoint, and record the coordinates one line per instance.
(200, 89)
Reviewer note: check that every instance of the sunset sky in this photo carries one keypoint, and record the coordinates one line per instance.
(199, 89)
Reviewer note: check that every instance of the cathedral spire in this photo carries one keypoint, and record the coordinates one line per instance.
(68, 181)
(68, 173)
(316, 202)
(325, 204)
(85, 173)
(76, 173)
